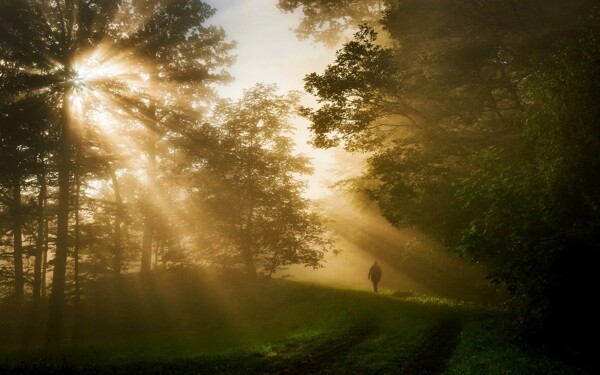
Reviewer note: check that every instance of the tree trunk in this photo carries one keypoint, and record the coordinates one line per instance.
(250, 267)
(247, 238)
(39, 242)
(57, 300)
(17, 227)
(159, 243)
(76, 229)
(162, 254)
(149, 211)
(46, 245)
(119, 219)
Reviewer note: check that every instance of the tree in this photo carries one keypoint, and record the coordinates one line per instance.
(536, 220)
(38, 46)
(450, 84)
(499, 152)
(370, 101)
(326, 21)
(184, 62)
(22, 144)
(250, 187)
(64, 53)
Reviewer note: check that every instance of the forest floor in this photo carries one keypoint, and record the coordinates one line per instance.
(187, 322)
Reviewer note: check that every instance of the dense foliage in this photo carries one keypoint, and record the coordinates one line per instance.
(538, 217)
(481, 126)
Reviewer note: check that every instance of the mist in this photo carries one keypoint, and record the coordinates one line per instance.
(412, 261)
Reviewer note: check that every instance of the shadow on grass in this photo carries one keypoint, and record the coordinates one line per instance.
(435, 350)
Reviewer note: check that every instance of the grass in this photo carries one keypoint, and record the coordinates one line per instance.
(186, 321)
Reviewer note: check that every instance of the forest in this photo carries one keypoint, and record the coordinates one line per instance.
(149, 223)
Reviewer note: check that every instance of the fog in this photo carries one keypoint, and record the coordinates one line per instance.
(411, 261)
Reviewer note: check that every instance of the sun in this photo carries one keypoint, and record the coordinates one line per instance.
(97, 77)
(98, 65)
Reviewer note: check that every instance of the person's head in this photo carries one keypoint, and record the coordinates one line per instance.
(375, 263)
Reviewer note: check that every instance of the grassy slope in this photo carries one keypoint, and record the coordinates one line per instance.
(187, 322)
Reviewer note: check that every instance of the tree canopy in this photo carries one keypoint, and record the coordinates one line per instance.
(474, 115)
(328, 21)
(251, 187)
(117, 154)
(138, 61)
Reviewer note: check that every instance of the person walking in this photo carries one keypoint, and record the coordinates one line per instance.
(375, 275)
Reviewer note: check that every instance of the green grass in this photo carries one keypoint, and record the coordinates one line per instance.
(189, 322)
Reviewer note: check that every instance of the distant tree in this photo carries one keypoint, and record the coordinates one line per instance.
(184, 63)
(250, 186)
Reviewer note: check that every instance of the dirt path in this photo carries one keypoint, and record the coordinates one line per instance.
(432, 354)
(326, 358)
(427, 357)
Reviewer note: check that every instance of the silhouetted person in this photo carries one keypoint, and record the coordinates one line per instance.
(375, 275)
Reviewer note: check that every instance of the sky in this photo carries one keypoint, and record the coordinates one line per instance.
(268, 51)
(267, 48)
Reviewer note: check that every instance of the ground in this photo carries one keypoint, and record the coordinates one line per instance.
(188, 322)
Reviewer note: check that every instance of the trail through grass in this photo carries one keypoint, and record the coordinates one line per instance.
(188, 322)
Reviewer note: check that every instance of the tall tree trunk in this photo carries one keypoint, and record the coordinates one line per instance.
(39, 242)
(247, 237)
(119, 219)
(76, 229)
(250, 266)
(149, 210)
(46, 246)
(17, 228)
(247, 253)
(57, 300)
(156, 251)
